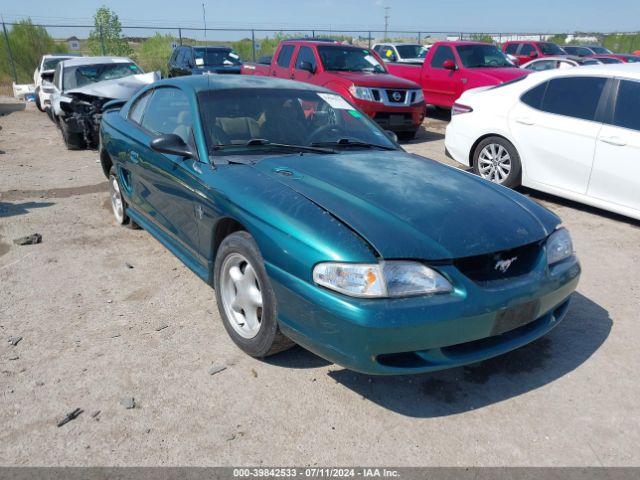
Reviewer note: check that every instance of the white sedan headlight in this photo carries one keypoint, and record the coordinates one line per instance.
(386, 279)
(559, 246)
(363, 93)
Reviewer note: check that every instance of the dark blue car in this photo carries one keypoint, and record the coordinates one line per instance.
(315, 227)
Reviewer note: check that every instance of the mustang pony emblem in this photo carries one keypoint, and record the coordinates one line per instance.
(505, 264)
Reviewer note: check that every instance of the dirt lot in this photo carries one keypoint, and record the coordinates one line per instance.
(107, 313)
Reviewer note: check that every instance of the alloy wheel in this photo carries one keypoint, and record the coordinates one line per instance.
(241, 295)
(116, 199)
(494, 163)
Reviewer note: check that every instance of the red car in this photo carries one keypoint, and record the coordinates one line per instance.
(451, 68)
(525, 50)
(356, 73)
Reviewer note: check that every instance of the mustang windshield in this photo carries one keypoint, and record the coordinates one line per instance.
(342, 58)
(253, 121)
(487, 56)
(215, 57)
(81, 75)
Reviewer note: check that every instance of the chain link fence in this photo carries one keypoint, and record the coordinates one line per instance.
(23, 44)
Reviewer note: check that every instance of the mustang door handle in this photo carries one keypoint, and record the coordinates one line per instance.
(613, 141)
(525, 121)
(134, 156)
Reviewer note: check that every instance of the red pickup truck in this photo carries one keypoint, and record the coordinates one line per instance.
(451, 68)
(356, 73)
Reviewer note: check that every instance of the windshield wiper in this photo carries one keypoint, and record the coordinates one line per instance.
(260, 142)
(347, 142)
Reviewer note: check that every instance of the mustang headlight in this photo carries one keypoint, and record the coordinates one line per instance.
(387, 279)
(559, 246)
(363, 93)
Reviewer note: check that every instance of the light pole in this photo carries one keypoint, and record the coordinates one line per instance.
(204, 21)
(386, 22)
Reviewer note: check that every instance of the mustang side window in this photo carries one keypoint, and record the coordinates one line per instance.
(137, 109)
(168, 112)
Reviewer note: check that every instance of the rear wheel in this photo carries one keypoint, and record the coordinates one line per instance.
(497, 160)
(118, 203)
(246, 300)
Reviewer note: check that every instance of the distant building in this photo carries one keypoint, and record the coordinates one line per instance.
(73, 43)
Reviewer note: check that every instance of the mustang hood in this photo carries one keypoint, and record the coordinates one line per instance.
(406, 206)
(498, 75)
(119, 88)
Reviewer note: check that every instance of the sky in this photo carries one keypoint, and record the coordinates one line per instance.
(535, 16)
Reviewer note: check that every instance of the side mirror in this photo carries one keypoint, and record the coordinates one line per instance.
(171, 144)
(449, 65)
(307, 66)
(392, 136)
(533, 54)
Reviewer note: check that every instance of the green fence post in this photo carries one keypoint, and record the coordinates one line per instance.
(13, 65)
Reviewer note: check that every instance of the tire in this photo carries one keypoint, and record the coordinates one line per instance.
(118, 203)
(407, 136)
(247, 304)
(497, 160)
(72, 140)
(38, 104)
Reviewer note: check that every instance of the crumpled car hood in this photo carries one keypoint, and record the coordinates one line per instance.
(407, 206)
(118, 88)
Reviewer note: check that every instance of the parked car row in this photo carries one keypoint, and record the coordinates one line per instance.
(279, 188)
(74, 90)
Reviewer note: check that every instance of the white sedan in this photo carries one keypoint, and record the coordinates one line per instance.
(574, 133)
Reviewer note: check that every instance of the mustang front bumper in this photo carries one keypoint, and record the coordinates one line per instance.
(422, 334)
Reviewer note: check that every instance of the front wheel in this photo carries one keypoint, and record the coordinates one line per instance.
(246, 300)
(72, 140)
(497, 160)
(38, 102)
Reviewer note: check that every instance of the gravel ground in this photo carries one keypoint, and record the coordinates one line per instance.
(106, 314)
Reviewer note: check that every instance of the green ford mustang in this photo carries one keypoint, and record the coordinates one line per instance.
(313, 226)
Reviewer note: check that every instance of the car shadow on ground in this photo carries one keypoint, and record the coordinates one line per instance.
(13, 209)
(537, 195)
(458, 390)
(438, 113)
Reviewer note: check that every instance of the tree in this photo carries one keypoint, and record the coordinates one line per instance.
(154, 53)
(106, 38)
(28, 43)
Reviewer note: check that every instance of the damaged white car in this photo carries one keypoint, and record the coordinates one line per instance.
(82, 86)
